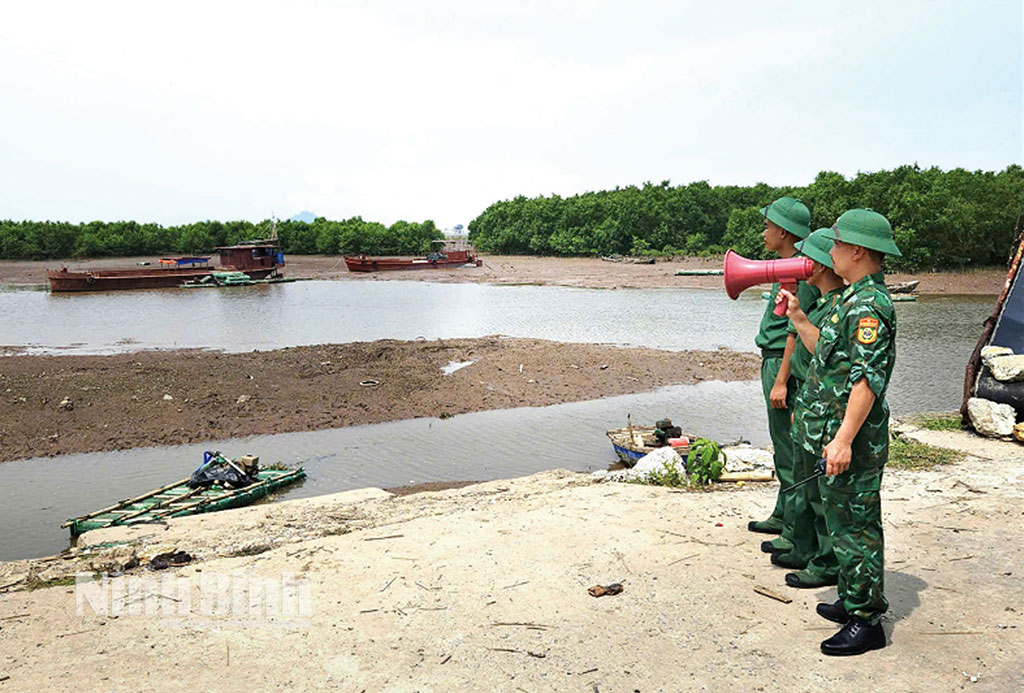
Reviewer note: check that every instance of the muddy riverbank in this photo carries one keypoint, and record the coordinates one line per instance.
(57, 405)
(502, 269)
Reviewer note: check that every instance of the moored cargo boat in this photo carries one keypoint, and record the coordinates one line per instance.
(257, 259)
(451, 253)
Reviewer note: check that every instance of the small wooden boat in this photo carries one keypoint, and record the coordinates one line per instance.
(178, 500)
(699, 272)
(633, 442)
(904, 288)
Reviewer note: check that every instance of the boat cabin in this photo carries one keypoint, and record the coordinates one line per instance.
(251, 256)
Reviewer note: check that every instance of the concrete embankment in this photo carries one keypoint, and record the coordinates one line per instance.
(485, 588)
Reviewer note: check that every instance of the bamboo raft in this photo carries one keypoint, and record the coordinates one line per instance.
(178, 500)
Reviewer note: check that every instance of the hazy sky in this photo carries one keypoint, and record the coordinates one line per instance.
(175, 112)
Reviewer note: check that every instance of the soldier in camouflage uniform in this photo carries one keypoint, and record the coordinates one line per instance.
(846, 416)
(812, 551)
(786, 221)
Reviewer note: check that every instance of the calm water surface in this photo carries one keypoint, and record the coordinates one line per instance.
(936, 336)
(936, 333)
(479, 446)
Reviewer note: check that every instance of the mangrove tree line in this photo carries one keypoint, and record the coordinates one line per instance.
(37, 240)
(942, 219)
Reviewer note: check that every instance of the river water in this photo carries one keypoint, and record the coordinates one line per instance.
(936, 335)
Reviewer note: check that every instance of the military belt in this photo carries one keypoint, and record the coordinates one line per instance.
(772, 353)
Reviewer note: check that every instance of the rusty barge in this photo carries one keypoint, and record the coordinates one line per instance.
(257, 259)
(450, 253)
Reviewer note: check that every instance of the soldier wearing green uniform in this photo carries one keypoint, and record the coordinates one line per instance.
(786, 221)
(846, 417)
(812, 546)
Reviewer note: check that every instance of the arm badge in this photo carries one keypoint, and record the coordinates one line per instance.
(867, 330)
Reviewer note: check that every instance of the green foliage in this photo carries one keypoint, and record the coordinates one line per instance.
(705, 461)
(910, 454)
(673, 476)
(32, 240)
(941, 219)
(939, 422)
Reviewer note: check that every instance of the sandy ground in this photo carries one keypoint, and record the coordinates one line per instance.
(578, 272)
(485, 589)
(121, 401)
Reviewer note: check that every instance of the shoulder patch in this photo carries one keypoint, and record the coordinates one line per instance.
(835, 317)
(867, 330)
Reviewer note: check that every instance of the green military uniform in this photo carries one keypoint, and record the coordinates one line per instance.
(857, 341)
(792, 215)
(771, 340)
(812, 544)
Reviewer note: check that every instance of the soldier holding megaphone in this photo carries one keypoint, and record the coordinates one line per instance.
(786, 221)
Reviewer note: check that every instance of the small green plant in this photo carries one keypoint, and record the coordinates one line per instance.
(38, 584)
(910, 454)
(705, 461)
(940, 422)
(672, 476)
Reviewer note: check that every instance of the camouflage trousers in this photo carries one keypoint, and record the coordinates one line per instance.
(853, 513)
(779, 429)
(810, 536)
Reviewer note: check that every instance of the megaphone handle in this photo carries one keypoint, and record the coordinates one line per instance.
(781, 303)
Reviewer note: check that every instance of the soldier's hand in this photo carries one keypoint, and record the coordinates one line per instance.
(792, 305)
(777, 396)
(837, 456)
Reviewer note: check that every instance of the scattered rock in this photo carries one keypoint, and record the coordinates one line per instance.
(242, 399)
(990, 352)
(605, 590)
(1018, 432)
(1007, 369)
(168, 398)
(66, 404)
(170, 560)
(991, 419)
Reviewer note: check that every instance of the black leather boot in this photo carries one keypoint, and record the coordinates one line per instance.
(769, 547)
(834, 612)
(785, 559)
(804, 581)
(856, 637)
(769, 526)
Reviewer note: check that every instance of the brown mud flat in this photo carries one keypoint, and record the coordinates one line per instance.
(121, 401)
(525, 269)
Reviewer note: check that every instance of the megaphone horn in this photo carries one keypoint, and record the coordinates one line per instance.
(741, 273)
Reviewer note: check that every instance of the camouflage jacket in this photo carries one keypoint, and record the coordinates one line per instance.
(801, 358)
(773, 330)
(857, 341)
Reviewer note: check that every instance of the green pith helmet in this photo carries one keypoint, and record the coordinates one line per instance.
(817, 247)
(791, 214)
(866, 228)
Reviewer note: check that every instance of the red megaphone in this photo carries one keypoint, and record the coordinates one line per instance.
(741, 273)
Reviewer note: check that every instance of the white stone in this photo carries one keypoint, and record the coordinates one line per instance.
(652, 461)
(1007, 369)
(168, 398)
(242, 399)
(990, 352)
(991, 419)
(747, 458)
